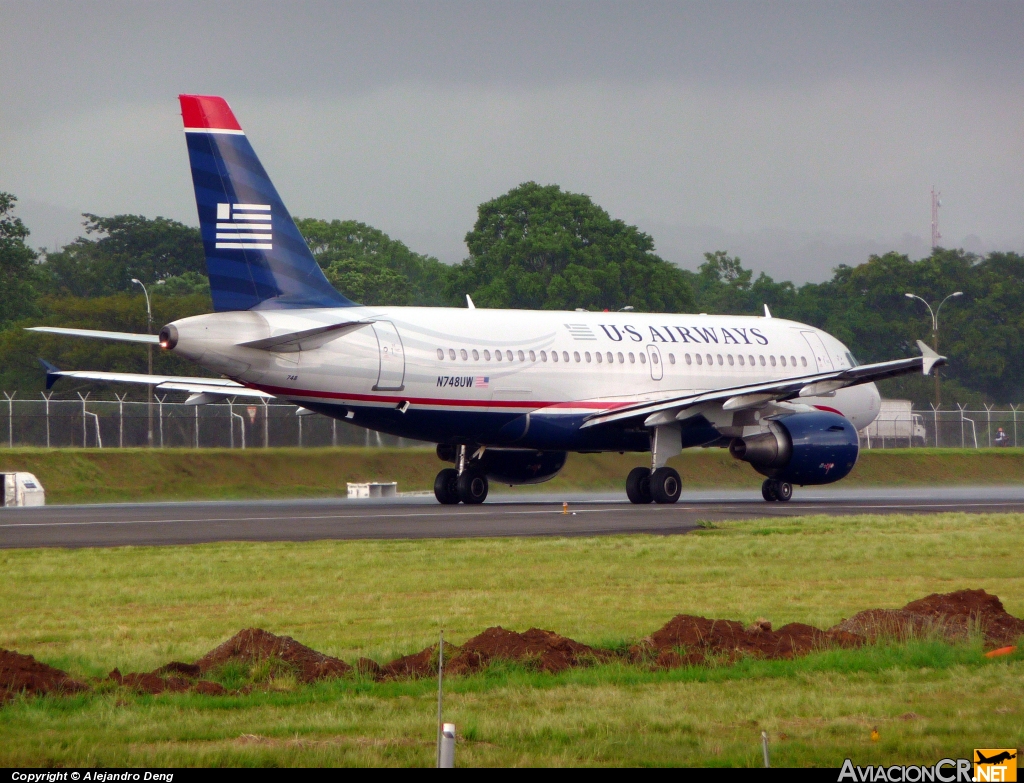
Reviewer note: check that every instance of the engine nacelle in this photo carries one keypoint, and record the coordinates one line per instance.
(802, 448)
(521, 466)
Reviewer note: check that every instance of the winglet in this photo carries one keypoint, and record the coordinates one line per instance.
(930, 358)
(469, 303)
(52, 373)
(767, 314)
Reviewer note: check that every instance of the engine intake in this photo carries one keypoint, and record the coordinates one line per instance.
(802, 448)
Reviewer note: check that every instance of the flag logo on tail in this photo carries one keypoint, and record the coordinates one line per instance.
(244, 227)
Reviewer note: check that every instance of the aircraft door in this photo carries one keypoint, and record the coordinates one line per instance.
(817, 347)
(657, 368)
(392, 357)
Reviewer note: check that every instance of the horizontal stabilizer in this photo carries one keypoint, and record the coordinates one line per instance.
(125, 337)
(306, 340)
(203, 390)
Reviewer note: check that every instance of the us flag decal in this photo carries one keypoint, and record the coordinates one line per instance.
(244, 227)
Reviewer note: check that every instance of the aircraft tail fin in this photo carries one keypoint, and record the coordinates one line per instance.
(255, 255)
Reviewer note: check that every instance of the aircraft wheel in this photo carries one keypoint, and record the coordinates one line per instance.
(783, 491)
(638, 486)
(472, 486)
(665, 485)
(446, 487)
(768, 490)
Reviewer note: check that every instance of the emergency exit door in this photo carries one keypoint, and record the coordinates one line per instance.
(392, 357)
(817, 347)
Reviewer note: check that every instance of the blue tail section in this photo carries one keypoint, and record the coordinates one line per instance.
(255, 255)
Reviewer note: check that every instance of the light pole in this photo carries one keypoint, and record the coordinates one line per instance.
(149, 354)
(935, 333)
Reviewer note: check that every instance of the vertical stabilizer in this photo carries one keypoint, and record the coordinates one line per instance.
(255, 255)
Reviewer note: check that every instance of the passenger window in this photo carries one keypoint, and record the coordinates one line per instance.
(451, 353)
(554, 356)
(792, 360)
(740, 358)
(533, 356)
(508, 355)
(487, 355)
(643, 358)
(440, 354)
(751, 359)
(621, 359)
(464, 354)
(543, 356)
(720, 362)
(671, 358)
(632, 358)
(522, 356)
(576, 356)
(497, 356)
(783, 360)
(609, 357)
(730, 360)
(598, 356)
(654, 358)
(476, 355)
(762, 359)
(565, 356)
(699, 361)
(803, 360)
(687, 357)
(587, 356)
(710, 358)
(772, 360)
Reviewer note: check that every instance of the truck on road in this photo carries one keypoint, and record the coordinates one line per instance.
(895, 426)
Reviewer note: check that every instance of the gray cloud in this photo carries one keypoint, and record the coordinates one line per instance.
(800, 134)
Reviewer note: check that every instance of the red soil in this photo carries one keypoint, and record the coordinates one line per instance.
(255, 644)
(545, 650)
(24, 674)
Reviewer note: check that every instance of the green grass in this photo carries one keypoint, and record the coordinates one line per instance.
(136, 608)
(102, 475)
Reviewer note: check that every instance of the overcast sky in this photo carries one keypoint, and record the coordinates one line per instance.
(797, 135)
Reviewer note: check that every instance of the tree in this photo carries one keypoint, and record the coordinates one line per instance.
(541, 247)
(17, 265)
(126, 247)
(369, 267)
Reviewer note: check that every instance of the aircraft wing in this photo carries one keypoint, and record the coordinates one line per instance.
(125, 337)
(664, 411)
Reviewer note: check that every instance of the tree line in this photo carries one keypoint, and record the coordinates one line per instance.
(536, 246)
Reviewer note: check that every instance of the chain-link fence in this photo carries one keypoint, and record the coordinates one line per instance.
(60, 423)
(958, 428)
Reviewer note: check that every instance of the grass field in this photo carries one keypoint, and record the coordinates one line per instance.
(95, 475)
(90, 610)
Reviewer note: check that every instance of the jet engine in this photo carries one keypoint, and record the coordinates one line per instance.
(802, 448)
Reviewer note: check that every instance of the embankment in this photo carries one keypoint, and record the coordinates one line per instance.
(111, 475)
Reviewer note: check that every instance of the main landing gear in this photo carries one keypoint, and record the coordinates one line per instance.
(661, 486)
(466, 484)
(776, 490)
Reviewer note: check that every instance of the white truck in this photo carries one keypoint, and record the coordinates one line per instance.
(21, 489)
(896, 425)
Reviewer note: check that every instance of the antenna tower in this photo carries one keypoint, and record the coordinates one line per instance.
(936, 203)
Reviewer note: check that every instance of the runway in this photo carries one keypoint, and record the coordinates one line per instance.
(144, 524)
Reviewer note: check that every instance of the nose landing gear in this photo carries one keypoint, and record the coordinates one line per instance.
(466, 484)
(776, 490)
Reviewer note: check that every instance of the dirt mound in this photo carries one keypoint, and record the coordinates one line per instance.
(24, 674)
(546, 650)
(691, 640)
(255, 644)
(421, 664)
(952, 616)
(154, 682)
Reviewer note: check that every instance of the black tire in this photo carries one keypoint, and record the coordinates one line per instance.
(768, 490)
(638, 486)
(783, 491)
(665, 485)
(473, 487)
(446, 487)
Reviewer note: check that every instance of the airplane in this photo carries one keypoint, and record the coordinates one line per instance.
(996, 759)
(505, 394)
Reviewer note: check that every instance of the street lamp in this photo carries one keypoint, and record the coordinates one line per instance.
(935, 333)
(149, 351)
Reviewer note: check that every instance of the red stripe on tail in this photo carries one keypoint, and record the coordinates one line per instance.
(207, 111)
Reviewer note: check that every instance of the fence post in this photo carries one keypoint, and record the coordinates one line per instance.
(334, 432)
(988, 420)
(266, 423)
(120, 419)
(160, 409)
(241, 422)
(197, 426)
(300, 428)
(85, 432)
(1014, 409)
(10, 418)
(47, 396)
(935, 414)
(231, 422)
